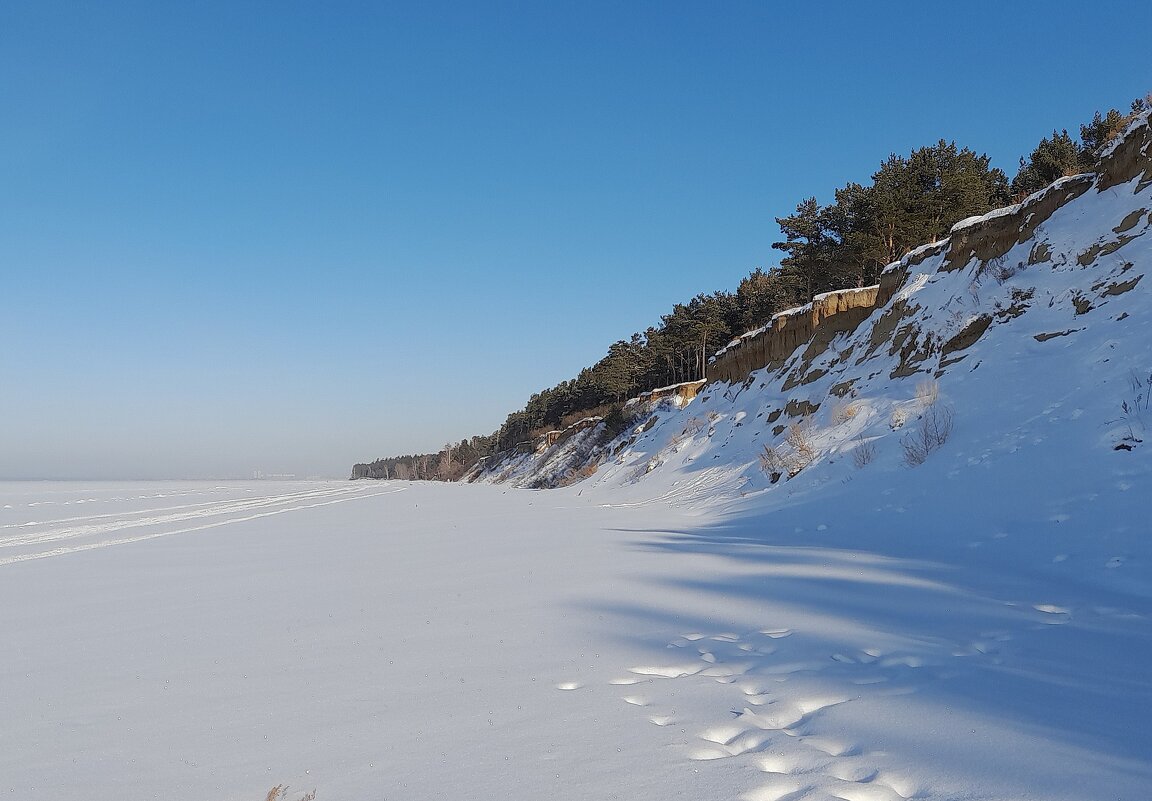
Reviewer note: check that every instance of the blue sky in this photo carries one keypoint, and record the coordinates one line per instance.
(289, 236)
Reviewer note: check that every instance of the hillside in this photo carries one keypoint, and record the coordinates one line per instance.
(1036, 304)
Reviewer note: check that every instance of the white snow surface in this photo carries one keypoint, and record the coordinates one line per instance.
(968, 222)
(677, 626)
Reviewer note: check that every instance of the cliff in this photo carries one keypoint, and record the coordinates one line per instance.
(812, 324)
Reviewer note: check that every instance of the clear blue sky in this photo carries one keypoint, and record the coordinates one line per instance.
(289, 236)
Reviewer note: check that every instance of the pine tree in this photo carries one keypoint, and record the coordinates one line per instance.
(807, 244)
(1098, 133)
(1052, 159)
(760, 295)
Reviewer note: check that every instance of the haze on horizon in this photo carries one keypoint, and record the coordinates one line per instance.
(288, 238)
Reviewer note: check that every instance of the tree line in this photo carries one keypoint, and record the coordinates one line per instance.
(911, 200)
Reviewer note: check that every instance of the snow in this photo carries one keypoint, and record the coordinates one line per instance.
(978, 626)
(851, 291)
(968, 222)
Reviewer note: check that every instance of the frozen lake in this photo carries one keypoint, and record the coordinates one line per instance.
(183, 640)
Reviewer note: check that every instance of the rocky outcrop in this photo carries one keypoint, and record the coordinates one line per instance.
(1128, 158)
(991, 236)
(679, 394)
(550, 438)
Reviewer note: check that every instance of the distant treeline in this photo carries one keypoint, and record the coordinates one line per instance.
(449, 464)
(912, 200)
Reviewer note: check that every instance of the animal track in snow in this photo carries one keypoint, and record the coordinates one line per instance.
(857, 791)
(848, 772)
(780, 693)
(1053, 615)
(781, 788)
(668, 671)
(832, 746)
(776, 633)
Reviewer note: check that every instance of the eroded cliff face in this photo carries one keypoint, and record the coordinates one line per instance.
(813, 325)
(679, 394)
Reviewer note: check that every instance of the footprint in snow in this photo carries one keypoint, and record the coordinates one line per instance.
(626, 680)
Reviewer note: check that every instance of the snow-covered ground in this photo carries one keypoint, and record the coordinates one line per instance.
(418, 641)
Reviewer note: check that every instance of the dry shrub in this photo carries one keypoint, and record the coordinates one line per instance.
(800, 438)
(280, 793)
(844, 411)
(796, 453)
(864, 452)
(898, 418)
(932, 431)
(772, 463)
(928, 392)
(585, 471)
(1135, 411)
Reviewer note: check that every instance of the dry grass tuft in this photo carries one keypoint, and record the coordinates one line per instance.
(898, 418)
(844, 411)
(796, 453)
(932, 431)
(864, 452)
(928, 392)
